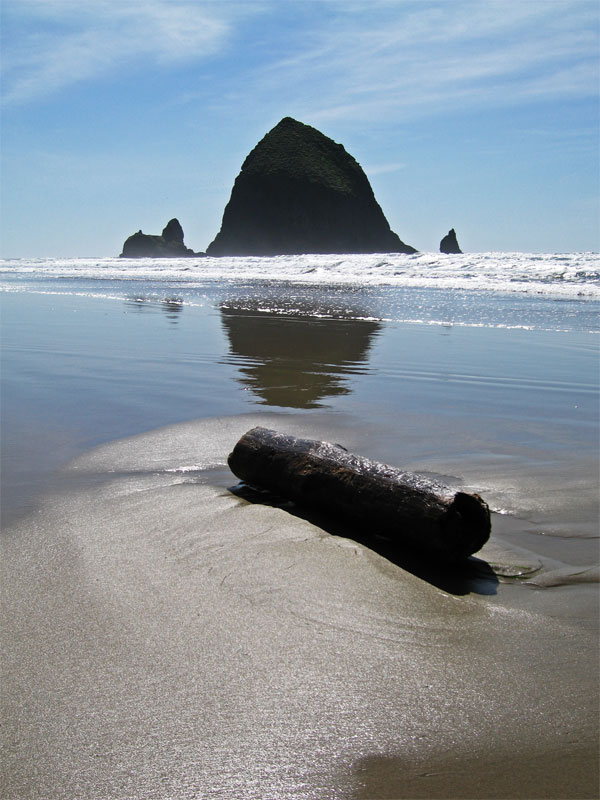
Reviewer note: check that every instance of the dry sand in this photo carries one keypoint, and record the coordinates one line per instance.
(165, 638)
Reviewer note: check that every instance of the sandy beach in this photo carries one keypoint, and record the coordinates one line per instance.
(167, 637)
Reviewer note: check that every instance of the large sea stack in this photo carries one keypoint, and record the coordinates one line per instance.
(300, 192)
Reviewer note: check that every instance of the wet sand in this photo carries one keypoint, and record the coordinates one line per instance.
(166, 638)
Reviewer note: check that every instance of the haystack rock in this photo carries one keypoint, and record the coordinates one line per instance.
(449, 244)
(168, 245)
(300, 192)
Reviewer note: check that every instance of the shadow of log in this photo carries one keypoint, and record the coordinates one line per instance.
(473, 575)
(533, 773)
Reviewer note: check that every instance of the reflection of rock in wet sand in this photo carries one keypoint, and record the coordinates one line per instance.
(172, 306)
(295, 359)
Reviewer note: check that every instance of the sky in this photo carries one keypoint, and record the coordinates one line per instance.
(118, 115)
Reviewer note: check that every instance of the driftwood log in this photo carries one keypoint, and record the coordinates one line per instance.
(413, 512)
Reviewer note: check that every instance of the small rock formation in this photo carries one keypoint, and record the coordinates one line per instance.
(173, 232)
(300, 192)
(449, 244)
(168, 245)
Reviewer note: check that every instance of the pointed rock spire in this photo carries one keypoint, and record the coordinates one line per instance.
(173, 232)
(449, 243)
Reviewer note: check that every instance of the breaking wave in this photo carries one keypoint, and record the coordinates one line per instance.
(558, 275)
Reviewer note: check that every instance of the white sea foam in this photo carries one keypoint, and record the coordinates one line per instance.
(559, 275)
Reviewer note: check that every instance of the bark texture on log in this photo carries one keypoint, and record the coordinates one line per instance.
(406, 508)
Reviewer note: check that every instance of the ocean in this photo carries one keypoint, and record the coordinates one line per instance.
(98, 349)
(170, 640)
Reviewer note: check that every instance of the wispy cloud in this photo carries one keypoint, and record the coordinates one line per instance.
(351, 60)
(409, 58)
(380, 169)
(50, 44)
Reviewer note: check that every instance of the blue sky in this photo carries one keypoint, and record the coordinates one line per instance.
(480, 115)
